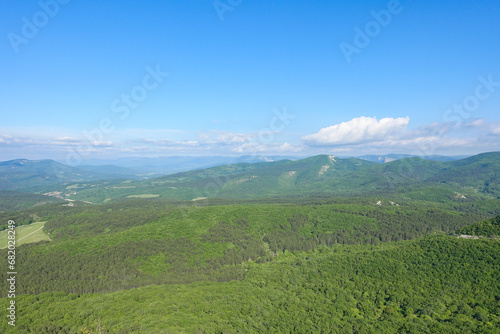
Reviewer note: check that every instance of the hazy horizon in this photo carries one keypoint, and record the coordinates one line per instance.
(116, 160)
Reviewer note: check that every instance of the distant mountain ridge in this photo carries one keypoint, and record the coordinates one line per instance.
(176, 164)
(152, 167)
(23, 173)
(11, 200)
(323, 175)
(391, 157)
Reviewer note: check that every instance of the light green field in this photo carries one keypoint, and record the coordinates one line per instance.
(143, 195)
(26, 234)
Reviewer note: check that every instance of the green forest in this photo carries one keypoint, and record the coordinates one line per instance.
(319, 245)
(260, 167)
(333, 265)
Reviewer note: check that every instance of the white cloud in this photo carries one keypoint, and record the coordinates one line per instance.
(164, 142)
(365, 135)
(101, 143)
(286, 147)
(477, 123)
(361, 135)
(267, 148)
(148, 133)
(5, 139)
(67, 139)
(358, 130)
(224, 138)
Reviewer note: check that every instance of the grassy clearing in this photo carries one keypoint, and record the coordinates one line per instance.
(143, 195)
(26, 234)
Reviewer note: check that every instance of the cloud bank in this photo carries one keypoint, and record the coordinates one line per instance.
(360, 135)
(358, 130)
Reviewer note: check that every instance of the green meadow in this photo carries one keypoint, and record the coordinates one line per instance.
(25, 234)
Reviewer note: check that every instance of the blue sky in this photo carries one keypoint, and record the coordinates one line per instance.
(102, 79)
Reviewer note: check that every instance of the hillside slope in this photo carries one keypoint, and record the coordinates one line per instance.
(321, 175)
(485, 228)
(25, 174)
(11, 200)
(423, 286)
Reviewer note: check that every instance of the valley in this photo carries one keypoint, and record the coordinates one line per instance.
(321, 244)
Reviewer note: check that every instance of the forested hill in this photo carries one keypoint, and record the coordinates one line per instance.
(320, 175)
(152, 266)
(486, 228)
(11, 200)
(24, 174)
(292, 259)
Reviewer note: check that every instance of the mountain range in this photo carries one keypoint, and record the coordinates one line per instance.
(321, 175)
(321, 244)
(24, 173)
